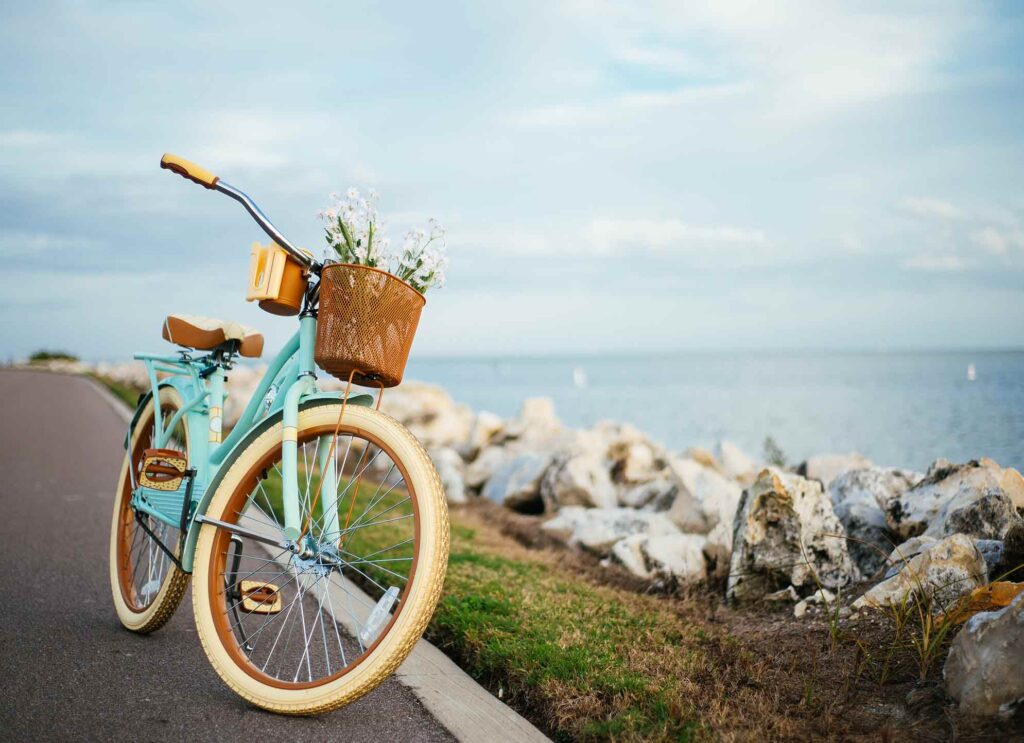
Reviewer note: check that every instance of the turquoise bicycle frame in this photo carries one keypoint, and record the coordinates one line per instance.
(289, 381)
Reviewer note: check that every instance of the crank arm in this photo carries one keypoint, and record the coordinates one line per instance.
(286, 545)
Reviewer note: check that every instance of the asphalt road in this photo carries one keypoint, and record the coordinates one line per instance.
(68, 670)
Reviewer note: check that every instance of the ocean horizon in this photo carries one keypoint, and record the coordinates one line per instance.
(901, 408)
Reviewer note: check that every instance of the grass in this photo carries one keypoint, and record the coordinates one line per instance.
(41, 357)
(594, 663)
(129, 395)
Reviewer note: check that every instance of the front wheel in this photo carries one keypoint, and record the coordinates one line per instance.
(308, 630)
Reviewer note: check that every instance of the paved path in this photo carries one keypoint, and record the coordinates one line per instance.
(68, 671)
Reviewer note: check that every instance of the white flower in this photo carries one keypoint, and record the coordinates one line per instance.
(348, 224)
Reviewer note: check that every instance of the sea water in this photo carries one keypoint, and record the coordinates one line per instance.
(898, 409)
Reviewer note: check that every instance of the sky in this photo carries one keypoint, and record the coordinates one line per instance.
(613, 177)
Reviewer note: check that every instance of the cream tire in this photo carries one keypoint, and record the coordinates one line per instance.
(174, 584)
(423, 592)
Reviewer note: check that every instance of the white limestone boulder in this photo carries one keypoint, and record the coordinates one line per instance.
(577, 480)
(949, 489)
(704, 497)
(430, 413)
(827, 467)
(450, 467)
(983, 671)
(677, 557)
(487, 462)
(656, 495)
(598, 529)
(860, 498)
(735, 463)
(786, 533)
(938, 576)
(516, 484)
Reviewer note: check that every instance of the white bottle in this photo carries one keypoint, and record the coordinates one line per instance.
(379, 617)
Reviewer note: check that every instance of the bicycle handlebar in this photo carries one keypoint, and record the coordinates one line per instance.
(188, 170)
(205, 178)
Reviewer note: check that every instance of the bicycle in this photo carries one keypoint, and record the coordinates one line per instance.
(315, 533)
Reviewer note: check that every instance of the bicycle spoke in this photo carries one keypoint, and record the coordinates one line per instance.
(303, 614)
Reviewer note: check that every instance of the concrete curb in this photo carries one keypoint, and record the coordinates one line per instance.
(469, 712)
(118, 405)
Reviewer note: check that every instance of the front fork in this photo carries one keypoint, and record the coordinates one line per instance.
(305, 385)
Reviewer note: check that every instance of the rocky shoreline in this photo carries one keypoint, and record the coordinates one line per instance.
(835, 527)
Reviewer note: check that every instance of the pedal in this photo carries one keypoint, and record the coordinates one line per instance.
(162, 469)
(259, 597)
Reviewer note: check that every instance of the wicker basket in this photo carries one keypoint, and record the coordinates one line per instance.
(366, 324)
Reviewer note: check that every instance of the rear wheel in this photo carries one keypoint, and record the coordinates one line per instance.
(147, 586)
(309, 632)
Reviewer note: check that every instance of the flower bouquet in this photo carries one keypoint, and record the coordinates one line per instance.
(357, 236)
(370, 297)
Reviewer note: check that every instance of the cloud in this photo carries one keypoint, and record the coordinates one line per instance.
(852, 244)
(933, 263)
(27, 138)
(801, 62)
(568, 115)
(24, 244)
(928, 208)
(996, 241)
(612, 235)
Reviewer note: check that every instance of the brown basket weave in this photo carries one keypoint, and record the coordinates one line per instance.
(366, 324)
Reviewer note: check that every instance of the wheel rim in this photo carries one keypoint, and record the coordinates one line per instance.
(143, 568)
(321, 629)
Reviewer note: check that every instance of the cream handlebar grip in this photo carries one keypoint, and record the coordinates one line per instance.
(189, 170)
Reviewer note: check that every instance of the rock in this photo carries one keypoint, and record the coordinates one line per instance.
(671, 556)
(860, 498)
(827, 467)
(786, 533)
(129, 373)
(939, 575)
(449, 467)
(734, 463)
(635, 463)
(785, 594)
(983, 669)
(627, 552)
(653, 494)
(949, 488)
(486, 427)
(536, 426)
(1013, 552)
(902, 553)
(704, 498)
(994, 552)
(703, 456)
(821, 596)
(487, 462)
(718, 548)
(426, 410)
(678, 556)
(580, 479)
(597, 529)
(985, 515)
(516, 484)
